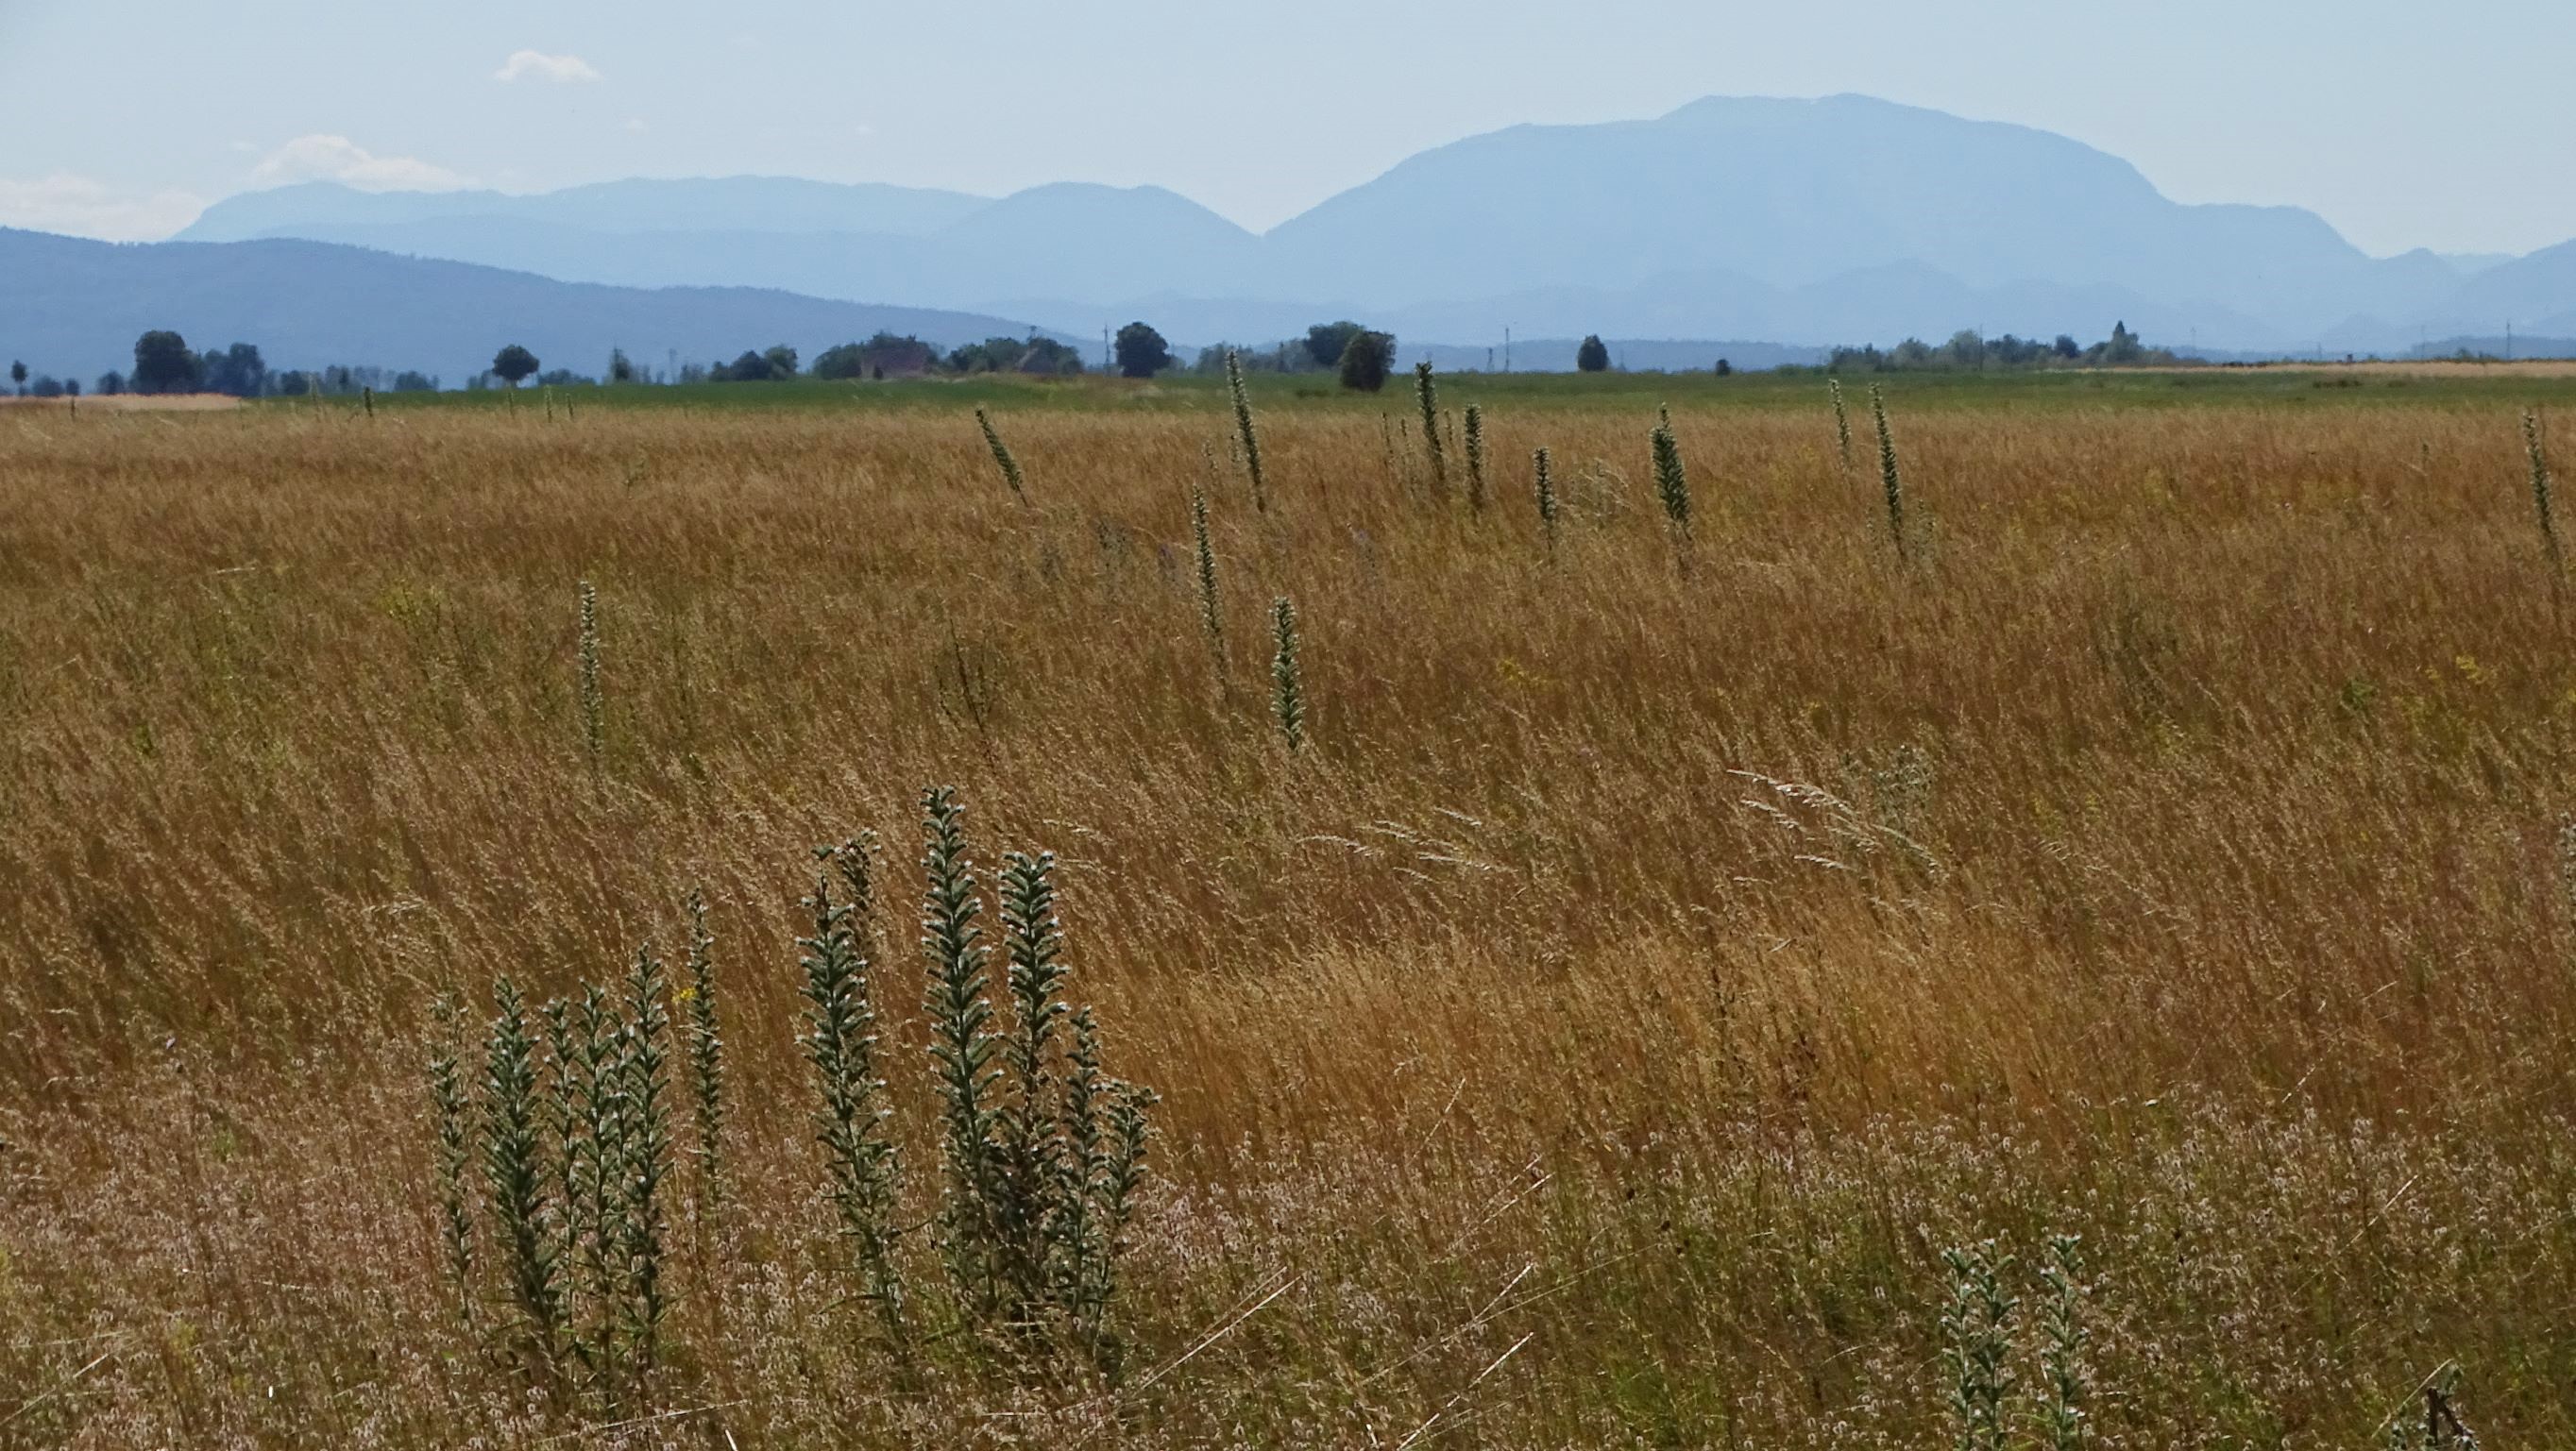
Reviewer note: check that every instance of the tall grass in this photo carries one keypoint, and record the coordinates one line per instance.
(1658, 968)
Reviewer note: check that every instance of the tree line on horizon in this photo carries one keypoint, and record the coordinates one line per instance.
(165, 364)
(1360, 357)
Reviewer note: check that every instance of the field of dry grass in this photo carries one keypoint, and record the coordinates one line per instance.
(1593, 1037)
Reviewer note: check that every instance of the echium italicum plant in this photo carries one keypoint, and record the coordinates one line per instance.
(1977, 1356)
(1672, 483)
(572, 1126)
(1042, 1151)
(594, 702)
(1540, 466)
(1002, 458)
(1426, 395)
(1891, 482)
(1992, 1403)
(1475, 459)
(558, 1246)
(862, 1171)
(2541, 499)
(1287, 688)
(706, 1057)
(1211, 605)
(1249, 437)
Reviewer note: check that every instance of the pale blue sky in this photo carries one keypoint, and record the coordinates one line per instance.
(2405, 123)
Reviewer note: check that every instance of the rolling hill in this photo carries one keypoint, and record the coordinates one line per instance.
(73, 308)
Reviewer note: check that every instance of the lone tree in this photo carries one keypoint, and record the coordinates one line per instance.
(1141, 351)
(1365, 360)
(514, 364)
(1593, 356)
(1325, 341)
(18, 377)
(163, 364)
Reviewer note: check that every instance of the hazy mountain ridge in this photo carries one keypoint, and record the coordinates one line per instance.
(1836, 220)
(74, 308)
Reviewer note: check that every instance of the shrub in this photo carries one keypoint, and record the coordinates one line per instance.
(1366, 360)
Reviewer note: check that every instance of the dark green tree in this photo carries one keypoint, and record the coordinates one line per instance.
(1366, 360)
(1593, 356)
(18, 377)
(1325, 341)
(163, 364)
(751, 367)
(841, 362)
(1141, 351)
(513, 364)
(238, 370)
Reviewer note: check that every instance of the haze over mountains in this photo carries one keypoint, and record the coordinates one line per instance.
(1797, 222)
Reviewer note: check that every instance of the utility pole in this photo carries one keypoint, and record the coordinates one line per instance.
(1507, 347)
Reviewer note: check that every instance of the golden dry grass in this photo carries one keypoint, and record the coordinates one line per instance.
(128, 403)
(1661, 968)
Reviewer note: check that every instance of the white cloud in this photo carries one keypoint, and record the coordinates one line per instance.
(81, 207)
(636, 125)
(563, 70)
(337, 158)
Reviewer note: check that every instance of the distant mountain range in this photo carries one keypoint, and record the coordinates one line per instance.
(1803, 223)
(1806, 222)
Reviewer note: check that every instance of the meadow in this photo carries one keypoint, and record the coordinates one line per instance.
(2102, 973)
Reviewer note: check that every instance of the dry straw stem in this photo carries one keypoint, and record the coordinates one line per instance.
(2180, 875)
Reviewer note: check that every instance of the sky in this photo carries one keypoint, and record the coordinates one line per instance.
(2404, 124)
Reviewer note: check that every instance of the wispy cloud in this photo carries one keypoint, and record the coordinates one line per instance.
(82, 207)
(337, 158)
(532, 65)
